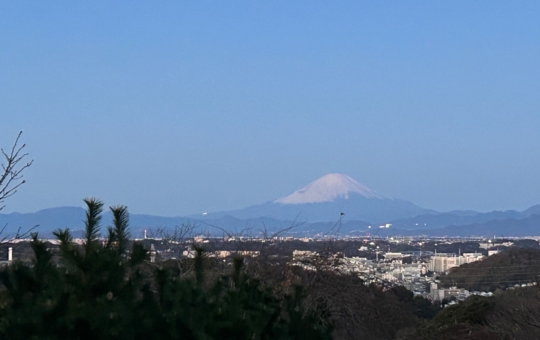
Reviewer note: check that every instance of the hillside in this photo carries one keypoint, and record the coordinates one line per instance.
(324, 199)
(513, 266)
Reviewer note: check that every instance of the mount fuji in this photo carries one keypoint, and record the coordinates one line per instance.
(323, 202)
(327, 199)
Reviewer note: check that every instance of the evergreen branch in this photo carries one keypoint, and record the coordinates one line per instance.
(93, 217)
(121, 226)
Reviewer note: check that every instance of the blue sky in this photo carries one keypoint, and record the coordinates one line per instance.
(178, 107)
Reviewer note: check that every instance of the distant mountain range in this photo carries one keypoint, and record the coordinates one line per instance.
(335, 204)
(457, 218)
(325, 199)
(511, 227)
(48, 220)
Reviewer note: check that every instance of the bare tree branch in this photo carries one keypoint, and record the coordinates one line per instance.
(20, 234)
(11, 177)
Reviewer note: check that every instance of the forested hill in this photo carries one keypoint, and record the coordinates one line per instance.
(499, 271)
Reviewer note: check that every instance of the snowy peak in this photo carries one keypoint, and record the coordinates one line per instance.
(327, 189)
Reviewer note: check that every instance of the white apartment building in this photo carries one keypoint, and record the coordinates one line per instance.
(442, 263)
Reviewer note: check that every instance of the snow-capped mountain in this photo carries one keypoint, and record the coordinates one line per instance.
(328, 189)
(326, 198)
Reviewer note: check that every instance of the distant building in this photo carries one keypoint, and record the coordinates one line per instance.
(490, 244)
(472, 257)
(390, 256)
(439, 294)
(441, 263)
(9, 258)
(433, 291)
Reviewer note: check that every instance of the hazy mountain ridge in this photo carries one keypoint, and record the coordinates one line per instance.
(457, 218)
(333, 203)
(356, 207)
(50, 219)
(324, 199)
(525, 224)
(528, 226)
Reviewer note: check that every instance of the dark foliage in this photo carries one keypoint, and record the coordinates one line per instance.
(499, 271)
(100, 291)
(106, 289)
(355, 310)
(513, 314)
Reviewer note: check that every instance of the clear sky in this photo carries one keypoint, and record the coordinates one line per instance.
(178, 107)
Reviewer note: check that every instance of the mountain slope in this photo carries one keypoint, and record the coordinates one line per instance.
(528, 226)
(459, 218)
(48, 220)
(72, 218)
(325, 199)
(327, 189)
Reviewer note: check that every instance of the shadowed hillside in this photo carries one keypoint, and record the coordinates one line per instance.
(514, 266)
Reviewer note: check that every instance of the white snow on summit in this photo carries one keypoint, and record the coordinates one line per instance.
(328, 188)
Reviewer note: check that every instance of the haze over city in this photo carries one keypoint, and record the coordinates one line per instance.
(178, 108)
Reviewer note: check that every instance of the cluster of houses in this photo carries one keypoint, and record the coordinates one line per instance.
(418, 275)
